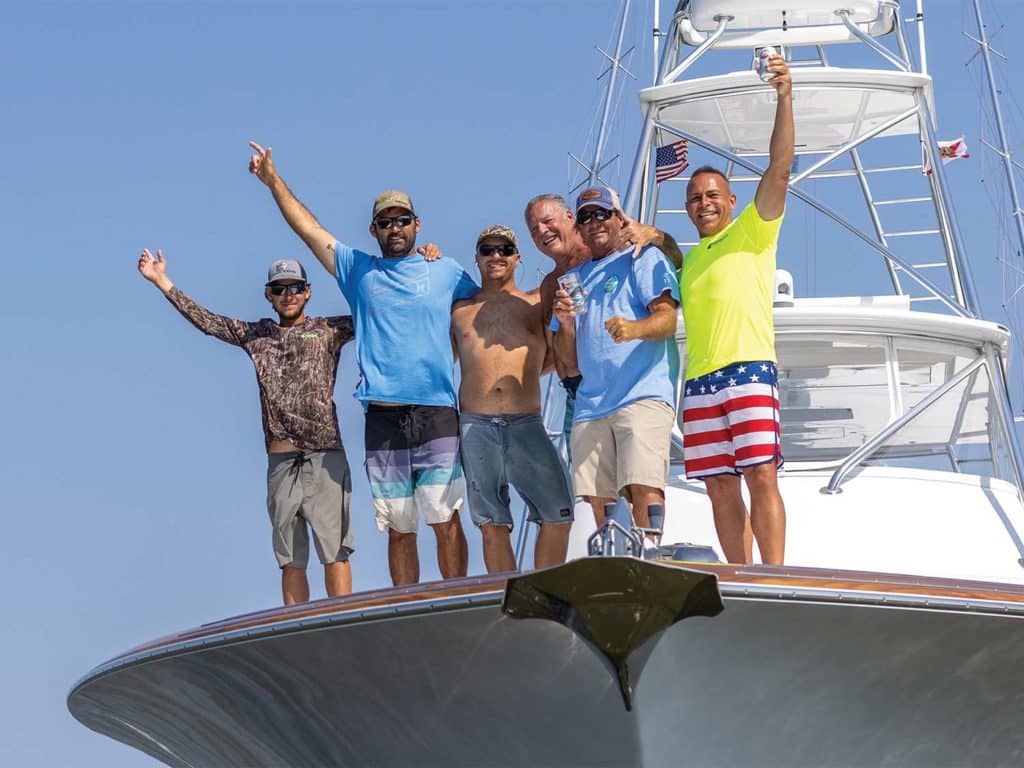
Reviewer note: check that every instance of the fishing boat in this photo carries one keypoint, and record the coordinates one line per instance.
(894, 635)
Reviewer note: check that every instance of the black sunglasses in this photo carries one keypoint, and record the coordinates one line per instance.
(486, 250)
(387, 222)
(293, 289)
(600, 214)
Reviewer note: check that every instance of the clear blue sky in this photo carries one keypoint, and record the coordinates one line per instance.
(133, 468)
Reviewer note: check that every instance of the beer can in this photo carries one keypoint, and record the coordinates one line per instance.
(570, 283)
(761, 61)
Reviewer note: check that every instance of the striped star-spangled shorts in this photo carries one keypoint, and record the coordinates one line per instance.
(730, 420)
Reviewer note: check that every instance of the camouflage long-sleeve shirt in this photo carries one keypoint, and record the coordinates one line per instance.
(296, 369)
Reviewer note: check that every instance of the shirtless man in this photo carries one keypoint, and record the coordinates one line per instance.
(501, 346)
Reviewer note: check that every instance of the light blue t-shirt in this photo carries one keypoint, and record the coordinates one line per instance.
(615, 375)
(401, 309)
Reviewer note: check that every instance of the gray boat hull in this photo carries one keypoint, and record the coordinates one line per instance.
(771, 681)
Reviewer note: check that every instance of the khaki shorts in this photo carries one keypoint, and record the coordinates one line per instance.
(627, 447)
(309, 487)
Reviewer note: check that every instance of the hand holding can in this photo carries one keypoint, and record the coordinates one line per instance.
(570, 283)
(763, 58)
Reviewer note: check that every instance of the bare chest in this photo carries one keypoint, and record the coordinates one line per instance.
(507, 324)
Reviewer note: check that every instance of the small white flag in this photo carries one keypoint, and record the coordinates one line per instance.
(948, 151)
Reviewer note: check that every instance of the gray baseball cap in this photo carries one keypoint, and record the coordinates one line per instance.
(285, 269)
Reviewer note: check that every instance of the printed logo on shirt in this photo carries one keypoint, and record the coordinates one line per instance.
(722, 239)
(309, 335)
(611, 284)
(395, 290)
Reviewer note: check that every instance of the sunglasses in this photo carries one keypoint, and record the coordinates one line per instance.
(600, 214)
(287, 290)
(387, 222)
(488, 250)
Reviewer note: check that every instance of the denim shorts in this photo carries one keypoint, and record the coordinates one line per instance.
(513, 449)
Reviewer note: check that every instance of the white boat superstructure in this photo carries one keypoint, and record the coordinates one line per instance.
(897, 454)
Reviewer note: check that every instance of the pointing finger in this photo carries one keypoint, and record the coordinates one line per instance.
(257, 147)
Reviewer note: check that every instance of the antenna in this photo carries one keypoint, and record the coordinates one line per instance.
(1003, 151)
(985, 49)
(595, 166)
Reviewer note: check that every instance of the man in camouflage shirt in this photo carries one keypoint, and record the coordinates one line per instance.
(296, 361)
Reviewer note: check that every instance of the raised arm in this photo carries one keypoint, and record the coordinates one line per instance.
(770, 197)
(303, 223)
(154, 269)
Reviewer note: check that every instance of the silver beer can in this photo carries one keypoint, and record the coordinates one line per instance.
(570, 283)
(761, 61)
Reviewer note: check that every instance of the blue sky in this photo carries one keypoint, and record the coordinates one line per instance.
(133, 468)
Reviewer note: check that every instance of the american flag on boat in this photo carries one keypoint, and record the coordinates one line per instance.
(670, 160)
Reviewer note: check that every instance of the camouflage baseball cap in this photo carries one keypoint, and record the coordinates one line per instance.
(285, 269)
(498, 230)
(601, 197)
(392, 198)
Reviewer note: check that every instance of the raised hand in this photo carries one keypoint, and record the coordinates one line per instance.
(782, 82)
(430, 252)
(154, 269)
(262, 164)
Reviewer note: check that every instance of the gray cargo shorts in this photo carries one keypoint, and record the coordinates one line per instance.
(512, 449)
(309, 487)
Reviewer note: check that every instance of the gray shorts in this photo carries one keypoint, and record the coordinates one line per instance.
(512, 449)
(309, 487)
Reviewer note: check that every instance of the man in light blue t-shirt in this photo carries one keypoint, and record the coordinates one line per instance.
(623, 343)
(401, 309)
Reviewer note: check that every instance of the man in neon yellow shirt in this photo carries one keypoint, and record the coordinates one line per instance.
(730, 413)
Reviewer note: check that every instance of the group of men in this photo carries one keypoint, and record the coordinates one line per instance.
(429, 450)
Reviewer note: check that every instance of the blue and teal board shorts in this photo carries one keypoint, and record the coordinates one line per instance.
(412, 463)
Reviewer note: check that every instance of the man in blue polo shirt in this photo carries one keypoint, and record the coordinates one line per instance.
(623, 344)
(401, 308)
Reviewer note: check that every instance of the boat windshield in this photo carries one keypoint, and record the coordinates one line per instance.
(838, 391)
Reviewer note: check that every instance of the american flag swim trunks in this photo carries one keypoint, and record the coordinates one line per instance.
(730, 420)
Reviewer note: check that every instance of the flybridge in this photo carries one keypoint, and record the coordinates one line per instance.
(809, 22)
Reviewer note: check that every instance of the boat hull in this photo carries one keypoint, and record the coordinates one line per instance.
(782, 677)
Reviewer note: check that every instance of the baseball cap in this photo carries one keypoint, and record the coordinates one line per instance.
(601, 197)
(392, 198)
(285, 269)
(498, 230)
